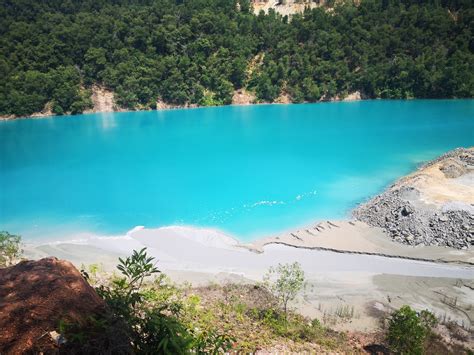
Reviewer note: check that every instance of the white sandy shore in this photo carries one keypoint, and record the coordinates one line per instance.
(359, 280)
(359, 248)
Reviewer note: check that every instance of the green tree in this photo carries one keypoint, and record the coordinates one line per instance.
(95, 62)
(177, 51)
(311, 90)
(285, 281)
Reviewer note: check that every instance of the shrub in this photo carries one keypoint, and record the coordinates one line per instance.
(100, 334)
(10, 248)
(285, 281)
(408, 330)
(149, 328)
(152, 315)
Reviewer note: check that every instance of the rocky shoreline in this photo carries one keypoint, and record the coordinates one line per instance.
(411, 214)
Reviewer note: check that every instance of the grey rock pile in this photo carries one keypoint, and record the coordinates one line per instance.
(406, 219)
(463, 155)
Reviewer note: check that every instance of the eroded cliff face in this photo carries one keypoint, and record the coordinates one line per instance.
(290, 7)
(243, 97)
(103, 99)
(286, 7)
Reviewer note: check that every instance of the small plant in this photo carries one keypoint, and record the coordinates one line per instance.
(285, 281)
(10, 248)
(148, 327)
(137, 267)
(345, 312)
(152, 312)
(212, 343)
(91, 272)
(409, 329)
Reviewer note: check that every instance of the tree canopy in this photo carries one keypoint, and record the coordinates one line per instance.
(200, 51)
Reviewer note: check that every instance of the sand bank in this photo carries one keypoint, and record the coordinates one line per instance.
(358, 237)
(200, 249)
(361, 283)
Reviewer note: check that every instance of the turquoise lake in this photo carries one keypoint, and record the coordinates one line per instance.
(247, 170)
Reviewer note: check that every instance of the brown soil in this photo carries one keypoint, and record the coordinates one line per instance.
(161, 105)
(102, 99)
(283, 99)
(354, 96)
(35, 296)
(371, 343)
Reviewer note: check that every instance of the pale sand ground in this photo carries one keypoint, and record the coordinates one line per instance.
(354, 236)
(336, 280)
(437, 189)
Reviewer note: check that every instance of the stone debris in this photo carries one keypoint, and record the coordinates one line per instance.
(408, 220)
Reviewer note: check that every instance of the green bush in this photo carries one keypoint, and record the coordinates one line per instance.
(10, 248)
(151, 315)
(285, 281)
(148, 328)
(408, 330)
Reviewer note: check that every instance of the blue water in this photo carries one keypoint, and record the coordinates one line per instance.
(249, 171)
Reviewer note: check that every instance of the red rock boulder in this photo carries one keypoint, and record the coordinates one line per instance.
(35, 296)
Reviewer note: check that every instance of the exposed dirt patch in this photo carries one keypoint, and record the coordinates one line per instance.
(255, 64)
(354, 96)
(161, 105)
(371, 343)
(284, 98)
(102, 99)
(243, 97)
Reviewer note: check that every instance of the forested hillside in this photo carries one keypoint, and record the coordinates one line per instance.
(200, 51)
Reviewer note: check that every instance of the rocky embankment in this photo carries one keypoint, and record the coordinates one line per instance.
(433, 206)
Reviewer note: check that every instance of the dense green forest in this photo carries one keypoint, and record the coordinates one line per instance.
(200, 51)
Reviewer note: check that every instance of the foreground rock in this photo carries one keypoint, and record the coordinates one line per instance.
(35, 296)
(433, 206)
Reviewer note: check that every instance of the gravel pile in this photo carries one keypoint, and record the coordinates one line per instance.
(461, 154)
(408, 220)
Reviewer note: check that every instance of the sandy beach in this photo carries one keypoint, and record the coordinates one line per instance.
(367, 284)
